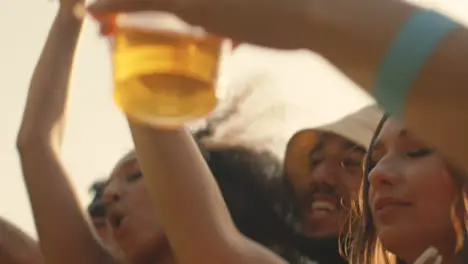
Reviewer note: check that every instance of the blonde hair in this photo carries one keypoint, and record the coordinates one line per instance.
(362, 244)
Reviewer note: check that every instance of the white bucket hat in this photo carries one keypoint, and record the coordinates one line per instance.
(358, 127)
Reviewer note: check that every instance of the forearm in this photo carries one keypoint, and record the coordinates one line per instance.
(187, 198)
(189, 202)
(435, 108)
(355, 35)
(59, 219)
(45, 107)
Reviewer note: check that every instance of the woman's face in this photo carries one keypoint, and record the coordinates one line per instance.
(103, 230)
(333, 179)
(131, 215)
(411, 194)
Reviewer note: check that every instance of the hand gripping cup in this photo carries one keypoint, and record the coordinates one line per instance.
(164, 70)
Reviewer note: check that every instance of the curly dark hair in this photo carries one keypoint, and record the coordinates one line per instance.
(262, 206)
(252, 187)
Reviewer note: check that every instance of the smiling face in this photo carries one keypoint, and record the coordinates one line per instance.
(324, 194)
(131, 215)
(411, 194)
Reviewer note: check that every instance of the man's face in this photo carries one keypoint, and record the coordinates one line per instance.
(333, 178)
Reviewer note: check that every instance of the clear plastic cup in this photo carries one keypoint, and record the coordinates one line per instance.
(164, 70)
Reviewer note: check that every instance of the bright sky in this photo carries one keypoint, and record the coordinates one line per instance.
(96, 133)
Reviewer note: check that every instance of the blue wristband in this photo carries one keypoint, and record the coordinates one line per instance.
(414, 44)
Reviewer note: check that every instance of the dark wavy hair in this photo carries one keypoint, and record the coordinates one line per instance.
(363, 244)
(251, 185)
(262, 204)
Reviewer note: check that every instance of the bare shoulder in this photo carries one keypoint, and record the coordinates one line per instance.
(17, 247)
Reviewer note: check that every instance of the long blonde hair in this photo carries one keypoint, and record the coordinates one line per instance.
(363, 245)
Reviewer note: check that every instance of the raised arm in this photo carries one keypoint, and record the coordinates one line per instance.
(189, 202)
(63, 230)
(436, 106)
(352, 35)
(16, 247)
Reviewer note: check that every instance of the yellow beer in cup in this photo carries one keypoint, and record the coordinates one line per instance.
(164, 70)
